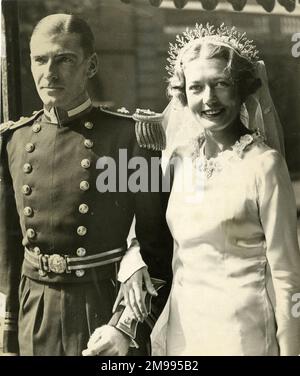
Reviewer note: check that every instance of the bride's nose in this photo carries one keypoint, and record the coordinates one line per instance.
(208, 95)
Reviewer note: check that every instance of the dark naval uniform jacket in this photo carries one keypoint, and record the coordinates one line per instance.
(58, 224)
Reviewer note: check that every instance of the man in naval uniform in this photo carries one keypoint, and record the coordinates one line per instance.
(61, 237)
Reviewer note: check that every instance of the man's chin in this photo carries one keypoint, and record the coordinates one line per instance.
(51, 102)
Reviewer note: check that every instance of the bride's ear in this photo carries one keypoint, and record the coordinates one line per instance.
(93, 65)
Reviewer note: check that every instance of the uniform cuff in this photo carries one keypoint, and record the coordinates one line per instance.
(124, 321)
(128, 325)
(131, 262)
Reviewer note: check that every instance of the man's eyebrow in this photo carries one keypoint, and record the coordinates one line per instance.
(69, 53)
(37, 55)
(64, 53)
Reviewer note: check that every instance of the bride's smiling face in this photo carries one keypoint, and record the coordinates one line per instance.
(211, 95)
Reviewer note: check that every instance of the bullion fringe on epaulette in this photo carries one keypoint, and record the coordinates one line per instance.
(150, 135)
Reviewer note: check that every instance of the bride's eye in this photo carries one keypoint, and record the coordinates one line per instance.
(195, 87)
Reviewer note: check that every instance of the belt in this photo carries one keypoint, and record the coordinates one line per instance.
(60, 264)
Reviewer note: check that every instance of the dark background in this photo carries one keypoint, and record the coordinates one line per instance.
(132, 42)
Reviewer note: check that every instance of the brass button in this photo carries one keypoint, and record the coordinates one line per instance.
(37, 250)
(88, 125)
(29, 147)
(85, 163)
(80, 273)
(26, 189)
(30, 233)
(88, 143)
(81, 252)
(27, 168)
(81, 230)
(42, 273)
(84, 185)
(28, 211)
(36, 127)
(83, 208)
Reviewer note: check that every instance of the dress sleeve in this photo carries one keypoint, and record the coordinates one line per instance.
(277, 208)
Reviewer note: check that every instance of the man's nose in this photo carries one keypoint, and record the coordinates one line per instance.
(208, 95)
(50, 71)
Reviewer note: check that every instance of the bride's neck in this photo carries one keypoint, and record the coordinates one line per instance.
(218, 141)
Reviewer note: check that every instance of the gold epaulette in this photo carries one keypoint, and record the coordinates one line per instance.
(5, 126)
(120, 112)
(11, 125)
(148, 126)
(148, 129)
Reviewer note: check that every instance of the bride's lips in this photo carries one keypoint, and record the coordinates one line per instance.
(212, 113)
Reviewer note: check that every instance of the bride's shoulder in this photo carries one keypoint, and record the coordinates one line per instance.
(264, 158)
(259, 149)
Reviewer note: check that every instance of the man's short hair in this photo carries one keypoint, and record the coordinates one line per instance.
(67, 23)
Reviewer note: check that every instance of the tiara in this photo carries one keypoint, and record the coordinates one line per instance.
(230, 36)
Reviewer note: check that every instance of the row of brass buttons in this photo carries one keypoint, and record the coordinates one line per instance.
(83, 208)
(81, 230)
(28, 211)
(84, 186)
(29, 147)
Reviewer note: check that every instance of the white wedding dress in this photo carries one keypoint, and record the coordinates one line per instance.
(231, 234)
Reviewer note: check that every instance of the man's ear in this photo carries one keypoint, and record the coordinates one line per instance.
(93, 65)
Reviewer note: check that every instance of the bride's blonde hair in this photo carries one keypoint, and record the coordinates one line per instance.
(239, 69)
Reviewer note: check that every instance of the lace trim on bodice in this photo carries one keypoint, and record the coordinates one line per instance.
(210, 166)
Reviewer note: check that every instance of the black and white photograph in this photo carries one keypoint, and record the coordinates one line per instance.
(150, 180)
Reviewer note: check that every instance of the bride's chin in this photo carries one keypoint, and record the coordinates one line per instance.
(210, 125)
(214, 127)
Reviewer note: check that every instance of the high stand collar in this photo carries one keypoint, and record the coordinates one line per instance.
(59, 116)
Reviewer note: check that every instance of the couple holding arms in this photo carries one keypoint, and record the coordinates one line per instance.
(224, 239)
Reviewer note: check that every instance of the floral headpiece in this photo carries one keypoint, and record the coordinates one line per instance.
(222, 35)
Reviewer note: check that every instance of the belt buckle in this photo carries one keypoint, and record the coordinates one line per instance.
(57, 264)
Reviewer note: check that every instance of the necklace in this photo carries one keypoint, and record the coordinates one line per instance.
(208, 167)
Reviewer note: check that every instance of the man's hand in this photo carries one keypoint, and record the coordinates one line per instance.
(132, 290)
(108, 341)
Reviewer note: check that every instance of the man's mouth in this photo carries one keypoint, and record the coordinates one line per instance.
(52, 87)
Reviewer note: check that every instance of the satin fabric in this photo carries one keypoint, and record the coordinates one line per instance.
(236, 261)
